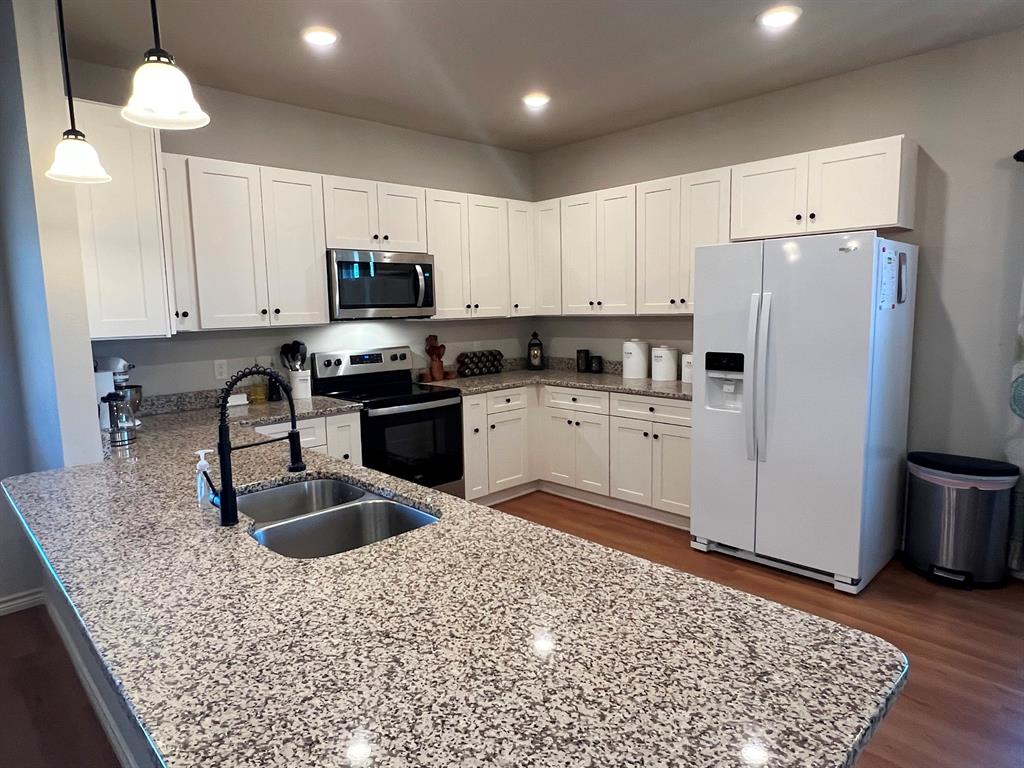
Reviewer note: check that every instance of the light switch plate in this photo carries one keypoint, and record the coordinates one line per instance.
(220, 370)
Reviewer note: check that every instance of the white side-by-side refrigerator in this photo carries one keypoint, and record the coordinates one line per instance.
(801, 385)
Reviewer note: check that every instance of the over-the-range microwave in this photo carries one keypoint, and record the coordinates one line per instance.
(380, 284)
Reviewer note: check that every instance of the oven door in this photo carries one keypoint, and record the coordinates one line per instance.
(421, 442)
(380, 284)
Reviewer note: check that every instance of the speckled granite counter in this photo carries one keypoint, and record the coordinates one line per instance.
(603, 382)
(481, 640)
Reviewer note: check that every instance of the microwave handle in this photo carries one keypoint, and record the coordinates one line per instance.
(422, 283)
(333, 284)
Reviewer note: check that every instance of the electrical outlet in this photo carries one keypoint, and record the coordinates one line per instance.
(265, 360)
(220, 370)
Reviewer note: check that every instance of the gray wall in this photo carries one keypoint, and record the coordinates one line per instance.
(251, 130)
(965, 106)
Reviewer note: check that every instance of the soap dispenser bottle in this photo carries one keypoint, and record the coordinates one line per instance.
(202, 486)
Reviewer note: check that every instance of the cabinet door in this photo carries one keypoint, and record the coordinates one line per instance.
(344, 440)
(591, 452)
(704, 220)
(474, 442)
(488, 256)
(579, 254)
(522, 271)
(350, 213)
(507, 455)
(293, 225)
(448, 241)
(227, 233)
(559, 446)
(616, 251)
(657, 247)
(119, 230)
(630, 450)
(548, 257)
(671, 486)
(177, 223)
(769, 198)
(856, 186)
(403, 218)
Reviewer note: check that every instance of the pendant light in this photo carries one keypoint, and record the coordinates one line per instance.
(161, 93)
(74, 159)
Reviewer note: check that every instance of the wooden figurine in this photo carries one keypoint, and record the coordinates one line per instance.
(435, 352)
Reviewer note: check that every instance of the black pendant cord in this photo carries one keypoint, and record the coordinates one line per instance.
(64, 63)
(156, 24)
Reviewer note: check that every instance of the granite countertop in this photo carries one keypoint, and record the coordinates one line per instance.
(480, 640)
(603, 382)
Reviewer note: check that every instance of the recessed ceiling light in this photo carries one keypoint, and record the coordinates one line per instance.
(321, 37)
(536, 100)
(779, 17)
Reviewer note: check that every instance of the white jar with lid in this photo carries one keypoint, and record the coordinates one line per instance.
(664, 363)
(634, 359)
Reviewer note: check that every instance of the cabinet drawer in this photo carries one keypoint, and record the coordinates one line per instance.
(313, 432)
(660, 409)
(506, 400)
(576, 399)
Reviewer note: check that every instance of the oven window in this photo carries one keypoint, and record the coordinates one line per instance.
(422, 446)
(370, 284)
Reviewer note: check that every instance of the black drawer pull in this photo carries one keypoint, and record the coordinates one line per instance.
(577, 423)
(645, 434)
(345, 456)
(493, 426)
(476, 430)
(650, 408)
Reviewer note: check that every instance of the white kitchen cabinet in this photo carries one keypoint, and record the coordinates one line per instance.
(769, 197)
(364, 214)
(866, 185)
(474, 446)
(703, 220)
(507, 449)
(559, 448)
(312, 432)
(350, 213)
(293, 225)
(591, 452)
(448, 241)
(177, 226)
(119, 229)
(631, 451)
(658, 251)
(522, 269)
(548, 257)
(616, 251)
(227, 234)
(488, 256)
(575, 399)
(670, 488)
(344, 437)
(507, 400)
(579, 254)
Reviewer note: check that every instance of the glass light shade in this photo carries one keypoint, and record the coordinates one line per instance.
(76, 161)
(162, 98)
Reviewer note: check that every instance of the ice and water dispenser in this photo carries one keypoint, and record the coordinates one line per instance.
(724, 385)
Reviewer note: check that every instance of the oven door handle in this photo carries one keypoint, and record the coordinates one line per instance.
(422, 283)
(394, 409)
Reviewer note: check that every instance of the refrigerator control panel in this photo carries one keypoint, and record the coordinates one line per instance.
(729, 362)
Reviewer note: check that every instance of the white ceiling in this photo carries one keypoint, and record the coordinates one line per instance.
(459, 67)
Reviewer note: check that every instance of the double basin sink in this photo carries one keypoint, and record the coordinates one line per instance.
(317, 518)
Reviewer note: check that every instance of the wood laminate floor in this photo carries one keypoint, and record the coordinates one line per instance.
(963, 705)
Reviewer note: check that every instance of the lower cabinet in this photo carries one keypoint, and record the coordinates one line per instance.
(474, 446)
(670, 482)
(650, 464)
(507, 454)
(337, 436)
(576, 447)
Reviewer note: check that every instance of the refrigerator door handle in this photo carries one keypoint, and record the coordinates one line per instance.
(748, 384)
(761, 406)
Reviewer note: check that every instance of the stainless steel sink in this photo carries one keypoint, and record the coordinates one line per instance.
(288, 501)
(349, 526)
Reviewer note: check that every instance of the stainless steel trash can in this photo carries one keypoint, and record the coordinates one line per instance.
(957, 518)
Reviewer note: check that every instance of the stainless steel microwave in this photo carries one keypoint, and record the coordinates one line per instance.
(380, 284)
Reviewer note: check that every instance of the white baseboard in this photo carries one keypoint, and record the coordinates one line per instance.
(21, 601)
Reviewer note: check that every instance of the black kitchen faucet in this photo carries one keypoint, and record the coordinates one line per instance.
(226, 498)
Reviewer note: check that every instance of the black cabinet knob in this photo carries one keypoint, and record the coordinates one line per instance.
(387, 237)
(185, 313)
(591, 303)
(345, 456)
(493, 426)
(469, 306)
(600, 303)
(650, 408)
(682, 301)
(277, 310)
(671, 301)
(577, 423)
(574, 399)
(508, 399)
(812, 216)
(176, 314)
(476, 430)
(645, 434)
(476, 306)
(515, 306)
(799, 217)
(376, 237)
(656, 437)
(263, 311)
(569, 422)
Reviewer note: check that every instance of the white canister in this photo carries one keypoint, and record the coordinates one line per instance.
(686, 364)
(664, 363)
(634, 359)
(300, 382)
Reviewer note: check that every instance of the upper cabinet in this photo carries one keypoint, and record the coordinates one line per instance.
(547, 279)
(865, 185)
(374, 215)
(658, 253)
(293, 225)
(177, 225)
(119, 229)
(522, 268)
(599, 252)
(488, 256)
(703, 220)
(579, 254)
(448, 241)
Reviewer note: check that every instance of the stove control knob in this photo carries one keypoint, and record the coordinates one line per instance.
(402, 356)
(327, 363)
(337, 362)
(394, 357)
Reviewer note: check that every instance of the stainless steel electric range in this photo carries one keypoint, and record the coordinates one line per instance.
(408, 430)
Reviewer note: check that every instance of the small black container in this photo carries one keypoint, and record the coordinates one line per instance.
(582, 360)
(596, 364)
